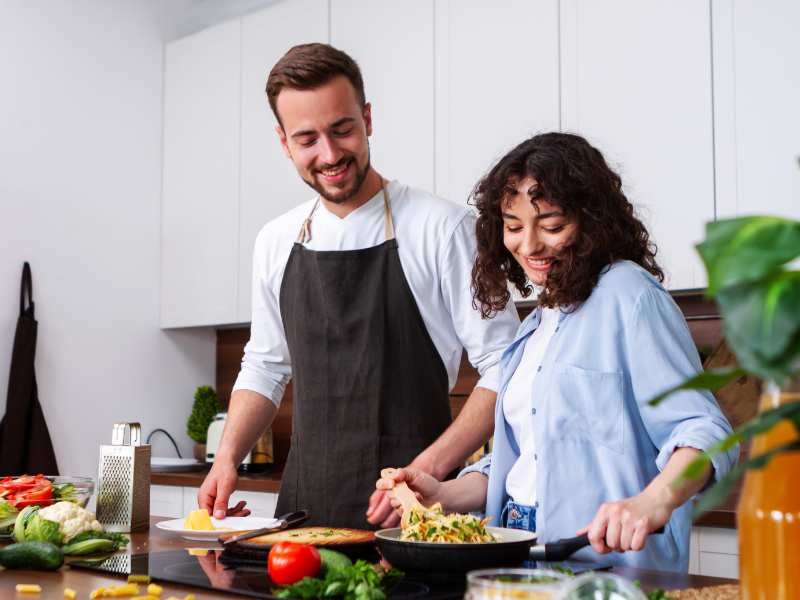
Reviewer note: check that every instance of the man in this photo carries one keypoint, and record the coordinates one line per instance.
(371, 326)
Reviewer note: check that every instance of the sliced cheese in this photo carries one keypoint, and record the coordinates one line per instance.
(199, 520)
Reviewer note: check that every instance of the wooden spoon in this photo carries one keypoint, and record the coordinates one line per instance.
(404, 495)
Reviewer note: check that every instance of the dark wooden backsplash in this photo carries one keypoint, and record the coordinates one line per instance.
(702, 317)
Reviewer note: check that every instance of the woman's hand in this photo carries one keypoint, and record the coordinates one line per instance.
(426, 487)
(625, 524)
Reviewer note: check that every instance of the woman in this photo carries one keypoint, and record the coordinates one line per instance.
(575, 442)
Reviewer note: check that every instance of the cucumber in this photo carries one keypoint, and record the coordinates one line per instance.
(32, 555)
(332, 560)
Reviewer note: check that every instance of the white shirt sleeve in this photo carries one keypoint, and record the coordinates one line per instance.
(483, 339)
(266, 365)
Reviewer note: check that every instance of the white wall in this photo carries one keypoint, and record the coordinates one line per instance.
(80, 185)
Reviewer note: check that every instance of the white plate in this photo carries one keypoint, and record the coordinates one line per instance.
(237, 524)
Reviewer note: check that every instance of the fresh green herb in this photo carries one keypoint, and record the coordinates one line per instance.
(361, 581)
(657, 594)
(565, 570)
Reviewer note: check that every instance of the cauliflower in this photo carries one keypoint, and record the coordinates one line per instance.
(71, 519)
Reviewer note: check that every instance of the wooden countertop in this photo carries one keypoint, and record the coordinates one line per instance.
(248, 482)
(154, 540)
(722, 516)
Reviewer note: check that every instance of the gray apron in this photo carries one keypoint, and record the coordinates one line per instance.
(370, 388)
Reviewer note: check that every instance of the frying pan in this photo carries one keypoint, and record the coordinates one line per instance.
(513, 547)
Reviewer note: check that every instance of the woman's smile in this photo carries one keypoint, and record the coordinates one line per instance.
(534, 231)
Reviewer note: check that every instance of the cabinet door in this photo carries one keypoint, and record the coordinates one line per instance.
(269, 183)
(393, 45)
(497, 83)
(636, 81)
(199, 253)
(756, 103)
(166, 501)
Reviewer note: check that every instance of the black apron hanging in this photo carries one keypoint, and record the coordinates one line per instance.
(25, 445)
(370, 388)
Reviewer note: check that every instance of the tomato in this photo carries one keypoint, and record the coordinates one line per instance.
(20, 504)
(23, 482)
(289, 562)
(27, 490)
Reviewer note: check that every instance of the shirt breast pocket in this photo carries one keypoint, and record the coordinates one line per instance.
(588, 404)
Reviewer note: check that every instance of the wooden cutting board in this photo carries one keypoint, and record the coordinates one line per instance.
(318, 536)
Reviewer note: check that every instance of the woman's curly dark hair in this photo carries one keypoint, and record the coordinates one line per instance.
(574, 176)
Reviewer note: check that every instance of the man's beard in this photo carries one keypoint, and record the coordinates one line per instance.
(361, 176)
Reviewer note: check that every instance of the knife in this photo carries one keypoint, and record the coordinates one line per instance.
(563, 549)
(287, 521)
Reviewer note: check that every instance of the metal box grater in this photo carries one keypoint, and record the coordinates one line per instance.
(123, 489)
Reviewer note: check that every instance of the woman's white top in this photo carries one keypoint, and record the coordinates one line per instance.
(518, 405)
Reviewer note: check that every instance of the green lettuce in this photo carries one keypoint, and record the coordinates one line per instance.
(30, 527)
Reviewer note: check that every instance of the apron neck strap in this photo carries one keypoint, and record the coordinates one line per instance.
(305, 230)
(388, 222)
(26, 289)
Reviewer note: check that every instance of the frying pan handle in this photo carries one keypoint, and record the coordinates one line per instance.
(564, 548)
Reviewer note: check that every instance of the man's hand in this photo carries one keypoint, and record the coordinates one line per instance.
(216, 490)
(425, 486)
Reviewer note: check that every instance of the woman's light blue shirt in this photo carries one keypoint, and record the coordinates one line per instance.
(597, 439)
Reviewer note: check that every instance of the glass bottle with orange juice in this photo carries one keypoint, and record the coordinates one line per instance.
(769, 511)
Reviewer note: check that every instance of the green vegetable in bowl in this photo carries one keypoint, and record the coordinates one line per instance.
(8, 516)
(65, 492)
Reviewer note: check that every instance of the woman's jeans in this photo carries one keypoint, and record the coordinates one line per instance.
(519, 516)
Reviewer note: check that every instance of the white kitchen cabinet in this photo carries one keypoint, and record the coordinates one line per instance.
(176, 502)
(714, 551)
(261, 504)
(167, 501)
(496, 83)
(393, 45)
(269, 182)
(199, 234)
(636, 81)
(756, 100)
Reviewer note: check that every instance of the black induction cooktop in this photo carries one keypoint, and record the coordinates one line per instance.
(213, 570)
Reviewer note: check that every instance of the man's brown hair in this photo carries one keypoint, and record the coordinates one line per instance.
(310, 66)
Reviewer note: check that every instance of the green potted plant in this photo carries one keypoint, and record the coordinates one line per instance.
(206, 405)
(748, 261)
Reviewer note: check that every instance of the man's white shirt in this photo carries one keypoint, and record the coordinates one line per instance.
(436, 246)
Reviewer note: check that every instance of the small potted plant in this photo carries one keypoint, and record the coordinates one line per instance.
(750, 275)
(206, 405)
